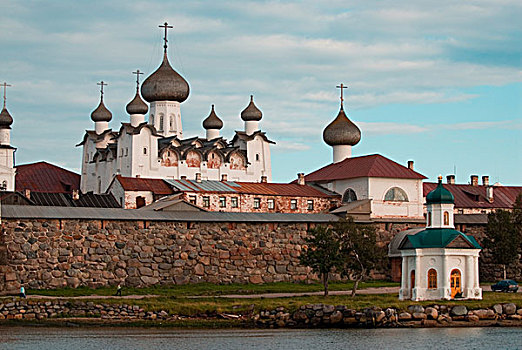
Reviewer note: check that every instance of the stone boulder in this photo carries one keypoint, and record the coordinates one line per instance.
(459, 310)
(432, 313)
(497, 308)
(404, 316)
(415, 308)
(509, 309)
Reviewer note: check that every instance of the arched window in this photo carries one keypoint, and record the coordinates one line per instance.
(152, 119)
(446, 218)
(396, 194)
(432, 279)
(161, 123)
(171, 123)
(349, 196)
(4, 185)
(429, 218)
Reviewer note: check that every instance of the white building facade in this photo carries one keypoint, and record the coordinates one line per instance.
(439, 262)
(7, 170)
(157, 148)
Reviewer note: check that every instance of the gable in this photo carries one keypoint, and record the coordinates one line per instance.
(459, 242)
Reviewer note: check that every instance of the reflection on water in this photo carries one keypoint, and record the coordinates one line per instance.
(151, 338)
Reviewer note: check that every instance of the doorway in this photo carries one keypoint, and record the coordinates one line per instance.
(140, 202)
(412, 282)
(455, 283)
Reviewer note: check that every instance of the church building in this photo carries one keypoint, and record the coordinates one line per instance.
(439, 262)
(157, 148)
(7, 170)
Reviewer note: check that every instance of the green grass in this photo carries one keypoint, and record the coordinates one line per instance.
(209, 289)
(209, 305)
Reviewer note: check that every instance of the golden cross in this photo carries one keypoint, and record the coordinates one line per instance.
(166, 26)
(137, 72)
(342, 87)
(5, 85)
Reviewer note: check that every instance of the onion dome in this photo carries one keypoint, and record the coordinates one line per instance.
(212, 121)
(251, 112)
(440, 195)
(342, 131)
(5, 119)
(165, 84)
(101, 113)
(137, 106)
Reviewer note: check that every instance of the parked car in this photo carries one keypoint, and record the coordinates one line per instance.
(505, 286)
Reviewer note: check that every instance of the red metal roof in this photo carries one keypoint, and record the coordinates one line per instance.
(469, 196)
(156, 186)
(45, 177)
(373, 165)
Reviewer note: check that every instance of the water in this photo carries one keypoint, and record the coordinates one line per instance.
(43, 338)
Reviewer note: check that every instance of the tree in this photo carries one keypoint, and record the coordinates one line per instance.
(504, 234)
(323, 254)
(359, 248)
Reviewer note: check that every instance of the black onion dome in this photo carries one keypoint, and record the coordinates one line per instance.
(341, 131)
(251, 112)
(5, 119)
(137, 106)
(101, 114)
(165, 84)
(212, 121)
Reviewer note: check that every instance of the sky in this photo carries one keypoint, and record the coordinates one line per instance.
(436, 82)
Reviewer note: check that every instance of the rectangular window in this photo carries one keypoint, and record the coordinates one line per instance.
(144, 150)
(222, 202)
(293, 204)
(271, 204)
(310, 204)
(192, 199)
(233, 202)
(257, 203)
(206, 201)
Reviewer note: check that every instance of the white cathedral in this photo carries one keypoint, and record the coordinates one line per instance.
(156, 148)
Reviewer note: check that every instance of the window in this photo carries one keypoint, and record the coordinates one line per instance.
(432, 279)
(126, 151)
(233, 202)
(171, 123)
(349, 196)
(310, 204)
(144, 150)
(293, 204)
(257, 157)
(429, 218)
(206, 201)
(152, 119)
(446, 218)
(271, 204)
(4, 185)
(396, 194)
(161, 123)
(192, 199)
(257, 203)
(222, 202)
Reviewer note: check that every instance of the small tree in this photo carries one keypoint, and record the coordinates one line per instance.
(323, 254)
(360, 249)
(504, 235)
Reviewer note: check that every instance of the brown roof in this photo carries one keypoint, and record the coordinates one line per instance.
(373, 165)
(279, 189)
(156, 186)
(469, 196)
(45, 177)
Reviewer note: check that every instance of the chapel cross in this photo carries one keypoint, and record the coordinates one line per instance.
(137, 72)
(5, 85)
(342, 87)
(166, 26)
(102, 84)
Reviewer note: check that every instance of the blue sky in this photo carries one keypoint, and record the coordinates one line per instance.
(437, 82)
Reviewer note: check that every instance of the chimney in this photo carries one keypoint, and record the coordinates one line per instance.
(410, 164)
(489, 194)
(301, 179)
(485, 180)
(264, 179)
(474, 180)
(183, 177)
(450, 179)
(27, 193)
(198, 177)
(76, 195)
(224, 177)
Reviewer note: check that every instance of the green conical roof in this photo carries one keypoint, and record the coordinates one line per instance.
(440, 195)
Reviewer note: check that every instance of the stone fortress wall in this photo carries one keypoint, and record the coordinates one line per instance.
(55, 253)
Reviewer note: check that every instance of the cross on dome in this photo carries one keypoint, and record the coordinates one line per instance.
(166, 26)
(5, 85)
(102, 84)
(137, 72)
(342, 87)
